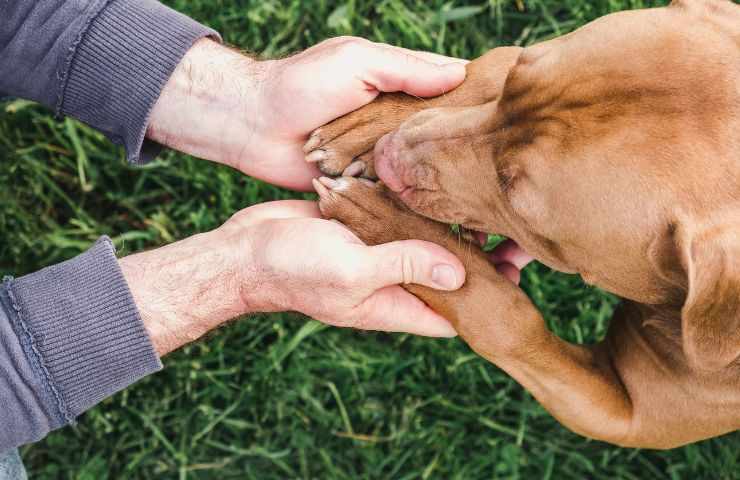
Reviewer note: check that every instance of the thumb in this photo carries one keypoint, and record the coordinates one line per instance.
(418, 262)
(394, 69)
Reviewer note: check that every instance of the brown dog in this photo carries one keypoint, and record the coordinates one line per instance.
(613, 152)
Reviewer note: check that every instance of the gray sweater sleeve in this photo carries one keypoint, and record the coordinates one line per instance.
(103, 62)
(70, 336)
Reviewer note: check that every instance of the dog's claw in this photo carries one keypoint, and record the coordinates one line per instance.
(313, 141)
(316, 156)
(368, 182)
(354, 169)
(321, 190)
(329, 183)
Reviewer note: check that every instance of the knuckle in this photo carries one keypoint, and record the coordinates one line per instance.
(239, 216)
(344, 39)
(335, 41)
(243, 219)
(352, 46)
(404, 265)
(412, 60)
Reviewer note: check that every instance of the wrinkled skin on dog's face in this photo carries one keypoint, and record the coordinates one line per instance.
(595, 152)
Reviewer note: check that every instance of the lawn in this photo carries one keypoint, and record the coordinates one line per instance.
(280, 396)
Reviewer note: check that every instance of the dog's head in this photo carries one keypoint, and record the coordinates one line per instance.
(612, 152)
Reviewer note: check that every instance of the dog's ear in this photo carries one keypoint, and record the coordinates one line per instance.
(710, 318)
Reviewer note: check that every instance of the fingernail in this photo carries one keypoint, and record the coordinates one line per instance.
(445, 277)
(454, 66)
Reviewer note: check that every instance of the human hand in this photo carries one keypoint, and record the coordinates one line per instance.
(281, 256)
(256, 115)
(298, 261)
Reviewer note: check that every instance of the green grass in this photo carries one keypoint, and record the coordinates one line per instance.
(275, 397)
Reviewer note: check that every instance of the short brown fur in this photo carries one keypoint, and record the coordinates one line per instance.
(612, 152)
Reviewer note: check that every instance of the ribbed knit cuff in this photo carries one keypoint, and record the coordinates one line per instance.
(82, 330)
(119, 67)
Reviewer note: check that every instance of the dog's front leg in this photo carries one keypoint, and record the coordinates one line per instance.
(493, 315)
(616, 391)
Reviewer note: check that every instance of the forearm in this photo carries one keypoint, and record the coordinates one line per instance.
(210, 106)
(187, 288)
(74, 334)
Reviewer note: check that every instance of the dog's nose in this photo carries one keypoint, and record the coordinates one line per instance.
(387, 165)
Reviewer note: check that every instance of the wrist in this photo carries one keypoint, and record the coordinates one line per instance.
(185, 289)
(261, 287)
(210, 106)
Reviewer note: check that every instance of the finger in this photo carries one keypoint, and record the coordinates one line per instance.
(291, 173)
(393, 309)
(397, 70)
(275, 210)
(509, 252)
(413, 261)
(431, 57)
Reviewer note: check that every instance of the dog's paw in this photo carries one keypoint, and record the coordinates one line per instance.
(361, 205)
(372, 213)
(339, 150)
(345, 146)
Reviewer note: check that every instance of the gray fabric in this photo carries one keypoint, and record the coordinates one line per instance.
(28, 412)
(11, 467)
(70, 336)
(104, 62)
